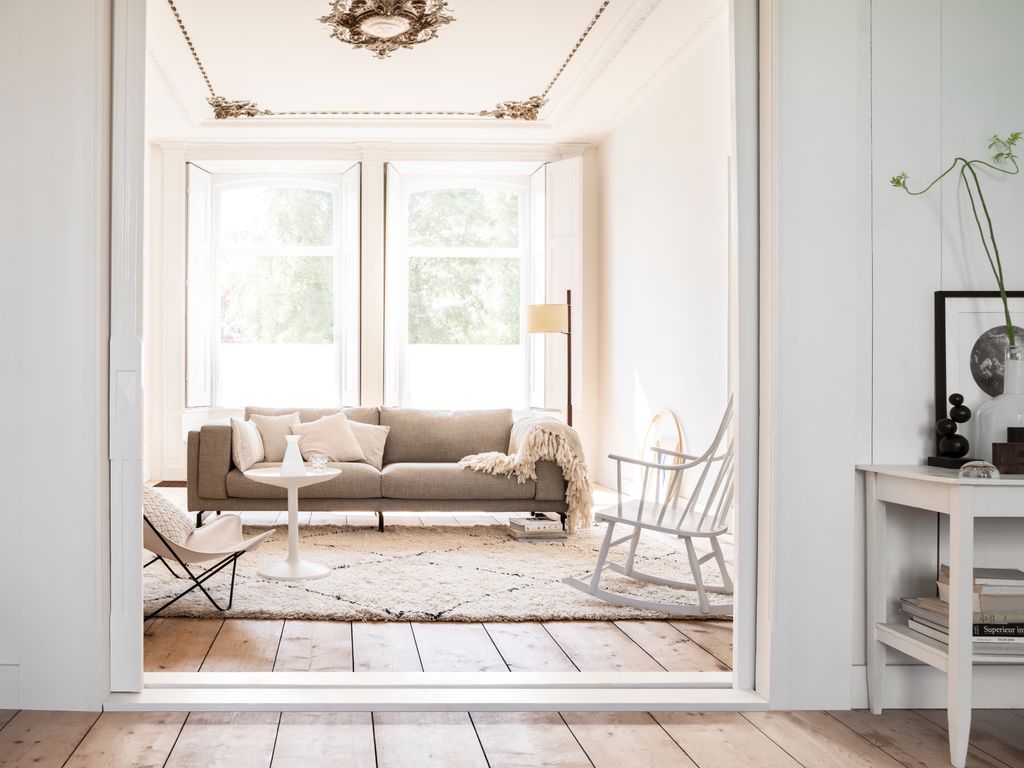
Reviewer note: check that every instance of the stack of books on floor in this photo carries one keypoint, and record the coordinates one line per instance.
(535, 528)
(998, 628)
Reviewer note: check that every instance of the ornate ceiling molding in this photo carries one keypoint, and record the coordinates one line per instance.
(528, 109)
(641, 18)
(384, 26)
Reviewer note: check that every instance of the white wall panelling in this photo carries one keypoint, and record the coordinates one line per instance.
(943, 83)
(126, 327)
(55, 81)
(815, 249)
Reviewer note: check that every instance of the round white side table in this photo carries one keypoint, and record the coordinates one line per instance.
(294, 568)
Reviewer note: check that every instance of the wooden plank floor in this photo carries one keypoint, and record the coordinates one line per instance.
(275, 645)
(897, 739)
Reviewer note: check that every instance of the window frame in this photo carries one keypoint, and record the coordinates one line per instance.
(400, 254)
(331, 182)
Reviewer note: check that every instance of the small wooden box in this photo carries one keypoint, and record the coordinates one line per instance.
(1008, 458)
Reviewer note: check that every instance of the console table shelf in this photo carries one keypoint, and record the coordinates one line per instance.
(933, 490)
(902, 638)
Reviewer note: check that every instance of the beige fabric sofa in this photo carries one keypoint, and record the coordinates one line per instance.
(420, 471)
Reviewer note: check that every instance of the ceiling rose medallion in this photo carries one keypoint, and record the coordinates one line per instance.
(384, 26)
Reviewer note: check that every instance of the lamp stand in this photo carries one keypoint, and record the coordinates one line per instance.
(568, 358)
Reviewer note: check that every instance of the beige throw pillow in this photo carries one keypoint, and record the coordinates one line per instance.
(331, 436)
(246, 444)
(371, 439)
(273, 431)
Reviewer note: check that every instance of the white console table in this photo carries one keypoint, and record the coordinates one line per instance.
(933, 490)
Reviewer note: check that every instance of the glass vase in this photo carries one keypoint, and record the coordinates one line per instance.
(1005, 410)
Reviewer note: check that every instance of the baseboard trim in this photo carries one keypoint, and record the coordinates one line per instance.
(917, 686)
(10, 686)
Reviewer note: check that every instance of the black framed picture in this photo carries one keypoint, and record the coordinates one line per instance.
(970, 346)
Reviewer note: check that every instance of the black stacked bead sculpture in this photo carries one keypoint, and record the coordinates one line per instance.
(953, 447)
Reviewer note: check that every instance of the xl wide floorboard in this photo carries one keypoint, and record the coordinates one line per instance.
(256, 645)
(897, 739)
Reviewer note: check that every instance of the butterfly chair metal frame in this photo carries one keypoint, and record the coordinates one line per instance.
(702, 516)
(198, 580)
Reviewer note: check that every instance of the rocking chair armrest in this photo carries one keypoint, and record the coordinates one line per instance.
(676, 454)
(653, 464)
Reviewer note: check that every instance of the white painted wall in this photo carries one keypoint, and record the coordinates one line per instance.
(663, 256)
(54, 245)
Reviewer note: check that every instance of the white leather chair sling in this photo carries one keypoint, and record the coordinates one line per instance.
(169, 534)
(703, 515)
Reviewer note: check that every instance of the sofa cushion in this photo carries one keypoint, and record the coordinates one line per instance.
(274, 430)
(368, 415)
(356, 481)
(434, 480)
(246, 444)
(443, 436)
(372, 439)
(330, 436)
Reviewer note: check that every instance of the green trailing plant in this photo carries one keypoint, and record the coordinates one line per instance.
(1003, 155)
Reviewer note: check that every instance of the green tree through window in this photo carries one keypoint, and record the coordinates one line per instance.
(463, 300)
(464, 218)
(276, 299)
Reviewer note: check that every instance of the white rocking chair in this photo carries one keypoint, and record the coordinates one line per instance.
(701, 516)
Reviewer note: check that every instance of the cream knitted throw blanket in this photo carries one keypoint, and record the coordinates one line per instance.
(542, 438)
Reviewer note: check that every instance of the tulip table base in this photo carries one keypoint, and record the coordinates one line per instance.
(294, 568)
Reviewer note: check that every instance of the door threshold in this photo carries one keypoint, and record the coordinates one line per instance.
(459, 699)
(437, 680)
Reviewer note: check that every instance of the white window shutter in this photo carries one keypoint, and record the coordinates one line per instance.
(200, 277)
(346, 284)
(563, 223)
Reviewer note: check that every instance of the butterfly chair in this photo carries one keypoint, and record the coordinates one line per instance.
(703, 515)
(170, 535)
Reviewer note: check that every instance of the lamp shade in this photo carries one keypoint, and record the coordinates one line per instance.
(547, 318)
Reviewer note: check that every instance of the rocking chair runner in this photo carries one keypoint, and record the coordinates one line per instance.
(701, 516)
(169, 538)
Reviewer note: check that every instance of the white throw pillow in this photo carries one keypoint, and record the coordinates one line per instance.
(330, 436)
(246, 444)
(371, 439)
(173, 524)
(273, 431)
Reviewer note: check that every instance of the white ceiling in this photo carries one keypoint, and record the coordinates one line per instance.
(279, 55)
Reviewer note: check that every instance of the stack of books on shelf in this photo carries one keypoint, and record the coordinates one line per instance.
(536, 527)
(998, 628)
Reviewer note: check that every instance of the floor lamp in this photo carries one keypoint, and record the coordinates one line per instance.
(555, 318)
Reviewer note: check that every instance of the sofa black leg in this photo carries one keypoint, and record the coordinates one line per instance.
(564, 517)
(380, 522)
(199, 517)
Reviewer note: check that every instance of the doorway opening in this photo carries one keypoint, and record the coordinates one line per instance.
(419, 273)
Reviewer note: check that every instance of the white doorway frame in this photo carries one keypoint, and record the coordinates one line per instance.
(459, 691)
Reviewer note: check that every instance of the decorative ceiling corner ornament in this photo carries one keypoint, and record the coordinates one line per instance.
(384, 26)
(517, 110)
(224, 109)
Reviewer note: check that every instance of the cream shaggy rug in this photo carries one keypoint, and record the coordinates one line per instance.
(433, 573)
